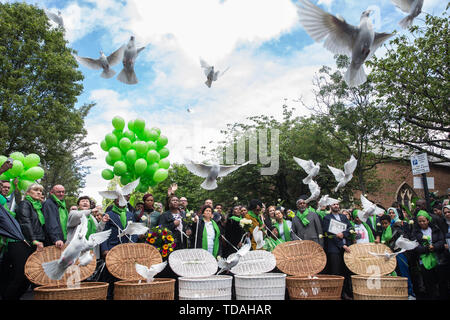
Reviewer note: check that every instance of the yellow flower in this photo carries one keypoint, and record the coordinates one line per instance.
(170, 249)
(165, 247)
(152, 240)
(170, 238)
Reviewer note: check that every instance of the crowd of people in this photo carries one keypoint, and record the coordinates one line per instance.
(47, 222)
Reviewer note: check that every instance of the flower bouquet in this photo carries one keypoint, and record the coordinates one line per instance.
(246, 224)
(189, 219)
(290, 214)
(162, 239)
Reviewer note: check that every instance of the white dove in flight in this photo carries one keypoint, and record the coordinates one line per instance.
(210, 172)
(310, 168)
(386, 255)
(128, 75)
(343, 177)
(406, 244)
(133, 228)
(412, 7)
(57, 18)
(370, 208)
(211, 75)
(78, 248)
(120, 193)
(326, 201)
(315, 191)
(258, 237)
(150, 273)
(104, 62)
(342, 38)
(233, 259)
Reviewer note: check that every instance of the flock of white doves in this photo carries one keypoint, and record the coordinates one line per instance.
(359, 42)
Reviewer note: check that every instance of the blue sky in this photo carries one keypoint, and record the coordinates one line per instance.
(271, 58)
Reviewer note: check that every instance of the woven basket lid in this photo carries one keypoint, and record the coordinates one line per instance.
(361, 262)
(193, 263)
(255, 262)
(121, 260)
(300, 257)
(35, 273)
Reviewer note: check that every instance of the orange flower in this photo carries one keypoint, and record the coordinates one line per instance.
(165, 247)
(152, 240)
(170, 238)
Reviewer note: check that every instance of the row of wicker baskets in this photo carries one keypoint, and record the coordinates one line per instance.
(299, 263)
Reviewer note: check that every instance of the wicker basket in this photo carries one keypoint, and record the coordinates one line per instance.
(300, 257)
(319, 287)
(193, 263)
(255, 262)
(361, 262)
(379, 288)
(158, 289)
(268, 286)
(86, 291)
(215, 287)
(35, 273)
(121, 260)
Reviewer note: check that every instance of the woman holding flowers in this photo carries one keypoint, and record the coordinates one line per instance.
(254, 214)
(149, 216)
(430, 250)
(207, 232)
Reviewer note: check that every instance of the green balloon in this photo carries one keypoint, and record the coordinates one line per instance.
(107, 174)
(118, 134)
(160, 175)
(151, 145)
(31, 160)
(104, 145)
(33, 173)
(131, 156)
(162, 141)
(164, 152)
(115, 153)
(125, 144)
(164, 163)
(109, 160)
(120, 167)
(131, 125)
(141, 147)
(118, 123)
(151, 169)
(16, 169)
(3, 159)
(125, 179)
(153, 156)
(111, 140)
(158, 130)
(153, 183)
(130, 135)
(140, 165)
(139, 125)
(153, 135)
(17, 156)
(142, 188)
(146, 134)
(24, 184)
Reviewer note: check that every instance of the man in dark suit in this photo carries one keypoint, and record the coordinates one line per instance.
(56, 216)
(335, 246)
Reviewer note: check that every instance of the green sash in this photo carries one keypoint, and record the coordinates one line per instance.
(253, 215)
(63, 214)
(216, 239)
(386, 236)
(37, 205)
(302, 217)
(122, 212)
(321, 213)
(237, 219)
(287, 233)
(92, 227)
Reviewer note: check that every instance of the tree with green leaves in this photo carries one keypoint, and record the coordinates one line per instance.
(39, 86)
(412, 84)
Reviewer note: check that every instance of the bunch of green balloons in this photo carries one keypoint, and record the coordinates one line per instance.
(138, 152)
(25, 169)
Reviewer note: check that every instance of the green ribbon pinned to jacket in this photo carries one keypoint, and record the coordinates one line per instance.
(63, 214)
(37, 205)
(287, 233)
(216, 239)
(122, 212)
(302, 217)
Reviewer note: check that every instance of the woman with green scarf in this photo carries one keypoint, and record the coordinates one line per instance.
(283, 227)
(363, 232)
(207, 232)
(431, 247)
(31, 220)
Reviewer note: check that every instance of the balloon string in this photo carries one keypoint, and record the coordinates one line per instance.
(120, 229)
(229, 242)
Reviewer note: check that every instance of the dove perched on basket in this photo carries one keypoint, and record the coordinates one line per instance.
(150, 273)
(359, 42)
(210, 172)
(344, 177)
(233, 259)
(78, 249)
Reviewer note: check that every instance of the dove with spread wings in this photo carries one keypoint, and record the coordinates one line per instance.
(120, 193)
(211, 75)
(103, 62)
(310, 168)
(150, 273)
(233, 259)
(344, 177)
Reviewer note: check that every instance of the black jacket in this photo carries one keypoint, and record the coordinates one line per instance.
(166, 220)
(29, 222)
(335, 245)
(437, 239)
(52, 222)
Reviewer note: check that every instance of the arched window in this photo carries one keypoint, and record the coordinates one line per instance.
(405, 194)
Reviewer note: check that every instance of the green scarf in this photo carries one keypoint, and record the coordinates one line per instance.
(321, 213)
(253, 215)
(429, 260)
(386, 236)
(369, 231)
(237, 219)
(287, 233)
(92, 227)
(63, 215)
(302, 217)
(216, 238)
(122, 212)
(37, 205)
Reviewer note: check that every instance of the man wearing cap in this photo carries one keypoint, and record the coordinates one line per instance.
(336, 245)
(306, 224)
